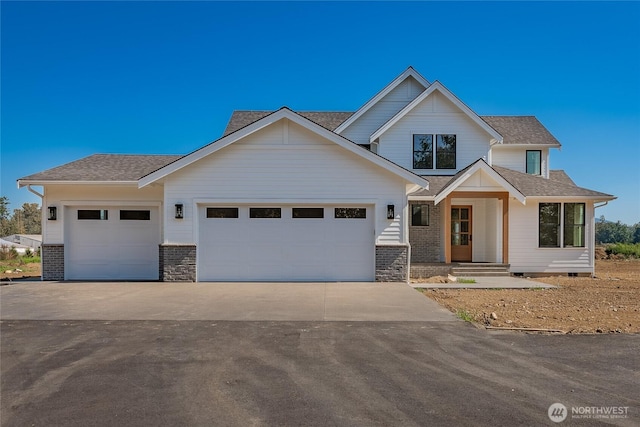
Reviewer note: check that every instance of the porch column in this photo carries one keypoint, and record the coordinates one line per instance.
(505, 229)
(447, 229)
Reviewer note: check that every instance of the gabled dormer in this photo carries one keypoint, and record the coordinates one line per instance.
(435, 134)
(383, 106)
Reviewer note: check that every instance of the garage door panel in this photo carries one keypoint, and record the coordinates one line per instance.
(286, 248)
(111, 248)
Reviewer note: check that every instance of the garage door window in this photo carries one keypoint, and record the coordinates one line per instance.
(308, 213)
(265, 213)
(351, 213)
(128, 215)
(99, 214)
(222, 212)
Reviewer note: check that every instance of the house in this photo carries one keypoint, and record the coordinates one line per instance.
(413, 177)
(33, 241)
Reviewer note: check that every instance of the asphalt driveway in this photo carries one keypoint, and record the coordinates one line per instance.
(209, 373)
(357, 301)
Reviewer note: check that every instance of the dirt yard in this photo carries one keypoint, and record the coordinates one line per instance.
(609, 303)
(11, 269)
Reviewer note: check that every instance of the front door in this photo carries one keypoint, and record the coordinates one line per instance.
(461, 233)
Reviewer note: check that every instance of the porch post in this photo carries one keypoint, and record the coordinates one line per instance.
(447, 229)
(505, 229)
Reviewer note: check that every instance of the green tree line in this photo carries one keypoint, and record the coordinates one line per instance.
(616, 232)
(24, 220)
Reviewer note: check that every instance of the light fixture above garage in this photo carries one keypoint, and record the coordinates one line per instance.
(53, 213)
(179, 211)
(391, 212)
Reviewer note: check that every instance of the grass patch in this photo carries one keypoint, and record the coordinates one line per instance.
(465, 280)
(464, 315)
(629, 250)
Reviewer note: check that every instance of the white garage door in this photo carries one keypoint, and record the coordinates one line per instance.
(112, 243)
(286, 243)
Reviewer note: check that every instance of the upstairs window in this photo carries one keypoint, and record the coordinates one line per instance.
(534, 161)
(425, 151)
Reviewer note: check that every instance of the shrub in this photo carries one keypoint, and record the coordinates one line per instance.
(627, 250)
(8, 253)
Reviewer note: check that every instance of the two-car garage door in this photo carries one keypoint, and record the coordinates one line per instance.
(112, 243)
(285, 243)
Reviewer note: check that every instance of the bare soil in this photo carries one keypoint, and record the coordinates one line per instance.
(12, 269)
(608, 303)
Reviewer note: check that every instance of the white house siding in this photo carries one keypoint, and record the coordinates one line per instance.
(360, 130)
(516, 158)
(279, 165)
(434, 115)
(526, 257)
(92, 195)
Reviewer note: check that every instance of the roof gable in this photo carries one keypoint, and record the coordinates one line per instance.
(437, 86)
(480, 167)
(409, 72)
(283, 113)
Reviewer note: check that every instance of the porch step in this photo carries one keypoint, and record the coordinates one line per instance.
(480, 270)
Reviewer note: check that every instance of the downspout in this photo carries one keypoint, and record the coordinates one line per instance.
(35, 192)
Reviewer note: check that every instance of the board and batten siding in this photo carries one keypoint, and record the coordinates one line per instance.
(434, 115)
(283, 164)
(92, 195)
(526, 257)
(361, 129)
(515, 158)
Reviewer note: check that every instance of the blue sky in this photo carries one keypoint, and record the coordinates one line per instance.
(163, 77)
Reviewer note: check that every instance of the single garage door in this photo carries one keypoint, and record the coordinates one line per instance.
(112, 243)
(286, 243)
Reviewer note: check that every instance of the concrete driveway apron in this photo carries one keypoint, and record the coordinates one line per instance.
(359, 301)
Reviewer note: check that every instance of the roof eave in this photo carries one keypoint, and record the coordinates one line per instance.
(24, 182)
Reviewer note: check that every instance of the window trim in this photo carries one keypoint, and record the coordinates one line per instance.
(413, 214)
(433, 164)
(562, 227)
(526, 162)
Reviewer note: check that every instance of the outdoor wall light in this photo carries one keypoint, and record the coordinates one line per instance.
(53, 213)
(179, 211)
(391, 212)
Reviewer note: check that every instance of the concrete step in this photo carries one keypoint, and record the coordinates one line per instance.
(481, 274)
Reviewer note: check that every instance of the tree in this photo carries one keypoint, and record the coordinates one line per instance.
(612, 232)
(5, 221)
(27, 220)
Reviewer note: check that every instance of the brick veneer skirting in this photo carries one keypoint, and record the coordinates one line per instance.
(425, 240)
(52, 261)
(177, 263)
(392, 263)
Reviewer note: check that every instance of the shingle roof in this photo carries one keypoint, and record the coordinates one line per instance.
(327, 119)
(537, 186)
(104, 167)
(559, 184)
(514, 129)
(521, 130)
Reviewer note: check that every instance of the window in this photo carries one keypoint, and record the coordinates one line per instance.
(419, 215)
(264, 213)
(445, 151)
(423, 151)
(308, 213)
(351, 213)
(99, 214)
(572, 233)
(222, 212)
(534, 162)
(574, 225)
(549, 231)
(129, 215)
